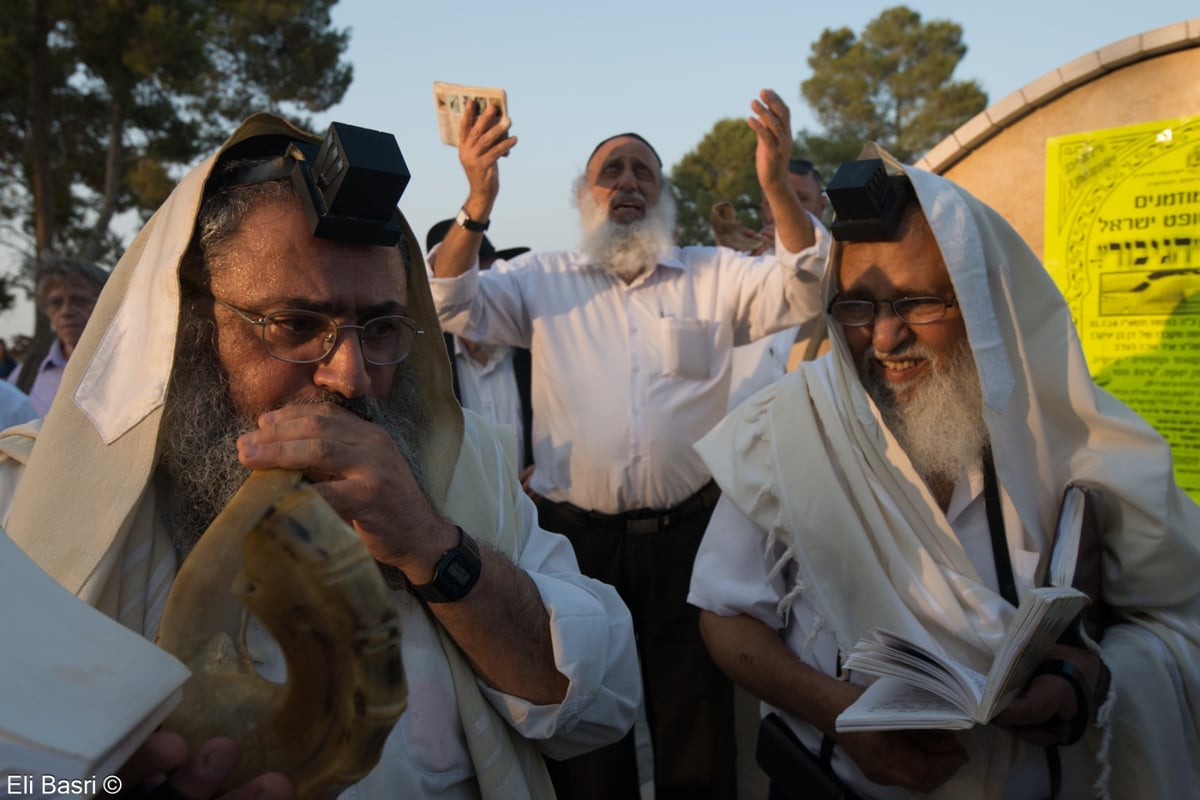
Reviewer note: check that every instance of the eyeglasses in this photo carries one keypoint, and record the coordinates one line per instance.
(911, 310)
(299, 336)
(802, 166)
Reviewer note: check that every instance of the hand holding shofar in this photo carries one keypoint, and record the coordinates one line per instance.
(279, 551)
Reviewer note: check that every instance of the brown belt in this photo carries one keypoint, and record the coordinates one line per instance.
(642, 520)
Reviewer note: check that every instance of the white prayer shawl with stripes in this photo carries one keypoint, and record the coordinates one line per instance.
(872, 547)
(101, 538)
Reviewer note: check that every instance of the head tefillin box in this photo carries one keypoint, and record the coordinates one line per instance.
(868, 203)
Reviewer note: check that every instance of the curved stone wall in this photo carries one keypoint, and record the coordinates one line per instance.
(1000, 155)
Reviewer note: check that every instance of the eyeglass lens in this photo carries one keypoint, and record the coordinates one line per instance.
(307, 336)
(913, 310)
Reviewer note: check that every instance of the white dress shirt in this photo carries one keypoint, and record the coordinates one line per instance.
(732, 575)
(759, 364)
(626, 377)
(490, 390)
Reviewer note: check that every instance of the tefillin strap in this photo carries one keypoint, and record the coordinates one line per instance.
(995, 518)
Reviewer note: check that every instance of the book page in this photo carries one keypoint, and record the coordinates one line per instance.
(1044, 613)
(81, 691)
(884, 654)
(450, 101)
(890, 704)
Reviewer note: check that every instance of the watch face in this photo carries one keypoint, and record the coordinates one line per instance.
(457, 573)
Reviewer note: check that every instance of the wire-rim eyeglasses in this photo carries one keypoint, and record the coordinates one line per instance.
(920, 310)
(301, 336)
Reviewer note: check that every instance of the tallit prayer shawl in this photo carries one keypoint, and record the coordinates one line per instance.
(872, 548)
(105, 423)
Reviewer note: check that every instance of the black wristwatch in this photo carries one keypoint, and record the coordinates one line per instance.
(455, 574)
(464, 220)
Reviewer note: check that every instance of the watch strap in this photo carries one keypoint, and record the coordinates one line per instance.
(1072, 730)
(455, 574)
(463, 219)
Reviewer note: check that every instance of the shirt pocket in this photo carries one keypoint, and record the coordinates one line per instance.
(687, 347)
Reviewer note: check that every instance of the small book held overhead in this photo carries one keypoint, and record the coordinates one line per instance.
(79, 692)
(451, 100)
(916, 688)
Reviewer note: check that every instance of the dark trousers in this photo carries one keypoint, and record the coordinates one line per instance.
(689, 701)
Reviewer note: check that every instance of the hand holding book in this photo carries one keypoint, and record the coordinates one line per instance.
(451, 100)
(917, 688)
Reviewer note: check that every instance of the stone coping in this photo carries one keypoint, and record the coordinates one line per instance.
(995, 118)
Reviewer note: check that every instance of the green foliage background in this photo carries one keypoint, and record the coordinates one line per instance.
(103, 102)
(892, 85)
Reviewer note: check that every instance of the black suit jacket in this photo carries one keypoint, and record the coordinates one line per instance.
(522, 369)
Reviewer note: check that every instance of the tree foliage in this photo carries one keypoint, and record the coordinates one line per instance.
(892, 85)
(103, 102)
(721, 168)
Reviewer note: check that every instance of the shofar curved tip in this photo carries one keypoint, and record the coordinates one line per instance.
(280, 550)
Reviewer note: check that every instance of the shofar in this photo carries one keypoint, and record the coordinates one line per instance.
(728, 230)
(281, 553)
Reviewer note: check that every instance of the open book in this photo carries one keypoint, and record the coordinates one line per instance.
(80, 692)
(450, 101)
(918, 688)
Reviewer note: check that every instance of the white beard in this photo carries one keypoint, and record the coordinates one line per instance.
(627, 251)
(939, 421)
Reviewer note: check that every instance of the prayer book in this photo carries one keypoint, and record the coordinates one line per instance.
(918, 688)
(450, 100)
(80, 691)
(1075, 533)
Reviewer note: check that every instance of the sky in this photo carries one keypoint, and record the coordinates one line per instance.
(578, 72)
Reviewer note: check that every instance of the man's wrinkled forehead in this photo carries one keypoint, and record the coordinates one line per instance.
(607, 146)
(912, 260)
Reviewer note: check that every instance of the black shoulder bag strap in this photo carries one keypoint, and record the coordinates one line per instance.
(448, 338)
(523, 372)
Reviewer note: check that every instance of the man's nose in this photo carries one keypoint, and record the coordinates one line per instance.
(344, 371)
(626, 180)
(888, 331)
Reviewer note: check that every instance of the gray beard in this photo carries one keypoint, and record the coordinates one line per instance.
(939, 418)
(201, 429)
(627, 250)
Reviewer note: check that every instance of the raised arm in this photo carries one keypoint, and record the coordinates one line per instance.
(482, 140)
(772, 125)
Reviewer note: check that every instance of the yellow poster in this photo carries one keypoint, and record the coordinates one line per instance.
(1122, 241)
